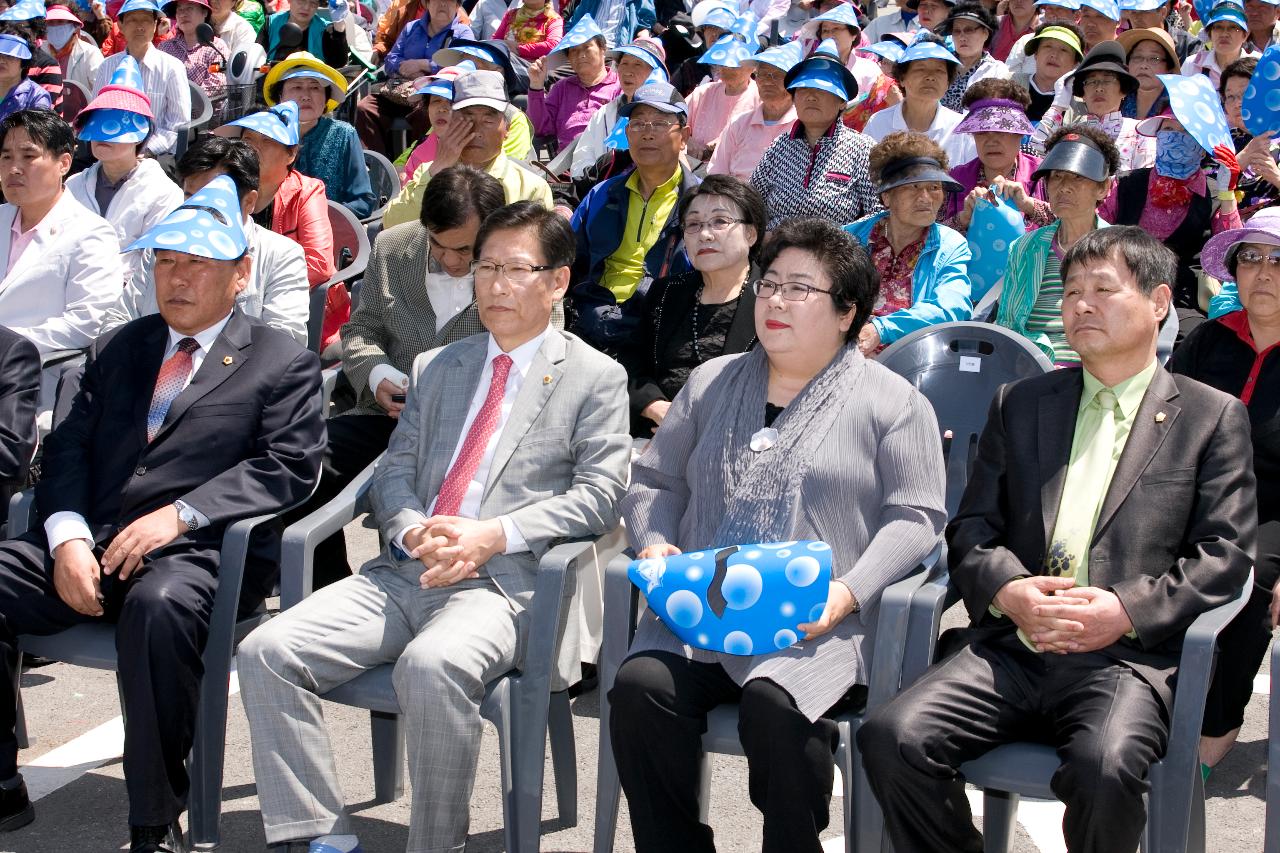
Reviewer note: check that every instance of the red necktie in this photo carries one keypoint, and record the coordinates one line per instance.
(464, 468)
(170, 381)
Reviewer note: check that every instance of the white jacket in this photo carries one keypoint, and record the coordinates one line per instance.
(82, 64)
(589, 146)
(63, 283)
(141, 202)
(277, 291)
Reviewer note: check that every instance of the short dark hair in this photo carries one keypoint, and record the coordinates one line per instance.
(900, 68)
(234, 157)
(976, 10)
(1243, 67)
(458, 193)
(745, 196)
(1151, 262)
(1095, 135)
(854, 279)
(555, 236)
(46, 129)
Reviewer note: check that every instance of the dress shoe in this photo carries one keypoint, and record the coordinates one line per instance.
(15, 807)
(157, 839)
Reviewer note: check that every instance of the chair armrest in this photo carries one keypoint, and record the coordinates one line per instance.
(22, 513)
(621, 608)
(930, 601)
(547, 606)
(328, 382)
(892, 632)
(59, 356)
(318, 298)
(298, 544)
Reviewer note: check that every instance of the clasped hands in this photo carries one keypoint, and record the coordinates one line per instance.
(76, 571)
(452, 548)
(1059, 617)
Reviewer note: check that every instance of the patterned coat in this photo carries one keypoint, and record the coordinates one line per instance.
(831, 179)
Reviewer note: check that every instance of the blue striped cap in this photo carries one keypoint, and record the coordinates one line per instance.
(1227, 13)
(889, 50)
(722, 17)
(15, 46)
(207, 225)
(139, 6)
(842, 14)
(928, 50)
(1106, 8)
(579, 34)
(114, 126)
(728, 52)
(784, 56)
(279, 124)
(746, 26)
(441, 85)
(639, 53)
(24, 10)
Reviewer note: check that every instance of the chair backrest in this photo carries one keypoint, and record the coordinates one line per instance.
(1168, 337)
(384, 179)
(958, 367)
(350, 242)
(75, 97)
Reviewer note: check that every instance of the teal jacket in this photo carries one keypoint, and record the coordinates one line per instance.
(940, 287)
(1225, 301)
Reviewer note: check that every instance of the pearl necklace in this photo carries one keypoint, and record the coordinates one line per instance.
(697, 300)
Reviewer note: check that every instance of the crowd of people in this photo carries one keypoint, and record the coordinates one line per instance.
(640, 268)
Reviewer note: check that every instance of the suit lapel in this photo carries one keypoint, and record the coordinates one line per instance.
(1057, 422)
(539, 383)
(224, 358)
(453, 402)
(1145, 437)
(147, 360)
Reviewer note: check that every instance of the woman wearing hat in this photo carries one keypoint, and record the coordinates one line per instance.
(1238, 353)
(1148, 54)
(971, 28)
(16, 91)
(924, 73)
(78, 59)
(924, 277)
(716, 103)
(198, 59)
(996, 117)
(633, 63)
(1101, 82)
(1055, 50)
(330, 151)
(1078, 170)
(532, 29)
(820, 167)
(564, 110)
(742, 144)
(876, 89)
(130, 191)
(1228, 32)
(1258, 155)
(26, 20)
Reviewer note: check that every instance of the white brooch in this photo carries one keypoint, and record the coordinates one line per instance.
(764, 439)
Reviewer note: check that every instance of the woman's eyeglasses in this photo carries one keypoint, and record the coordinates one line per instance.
(717, 224)
(1254, 258)
(792, 291)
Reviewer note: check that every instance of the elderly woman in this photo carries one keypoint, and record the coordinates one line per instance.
(1148, 53)
(1174, 202)
(1228, 32)
(996, 117)
(532, 29)
(1257, 155)
(924, 73)
(16, 91)
(184, 45)
(695, 316)
(756, 449)
(923, 266)
(743, 142)
(564, 110)
(819, 167)
(633, 63)
(1079, 168)
(716, 103)
(1056, 50)
(330, 151)
(1101, 82)
(971, 28)
(1237, 353)
(330, 41)
(876, 88)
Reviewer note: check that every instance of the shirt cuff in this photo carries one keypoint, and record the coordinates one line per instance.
(515, 539)
(65, 526)
(398, 540)
(386, 371)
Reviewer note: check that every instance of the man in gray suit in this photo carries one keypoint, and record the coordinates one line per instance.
(508, 442)
(1107, 508)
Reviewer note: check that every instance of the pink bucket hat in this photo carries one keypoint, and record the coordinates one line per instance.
(996, 115)
(1263, 227)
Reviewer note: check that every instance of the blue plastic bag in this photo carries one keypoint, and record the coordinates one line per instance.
(992, 231)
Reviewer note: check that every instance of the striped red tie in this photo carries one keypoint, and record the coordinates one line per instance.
(170, 381)
(464, 468)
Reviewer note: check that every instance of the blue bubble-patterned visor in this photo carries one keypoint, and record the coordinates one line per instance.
(114, 126)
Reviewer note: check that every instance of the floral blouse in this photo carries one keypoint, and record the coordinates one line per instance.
(896, 271)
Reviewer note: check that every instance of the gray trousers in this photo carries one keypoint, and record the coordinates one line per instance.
(446, 644)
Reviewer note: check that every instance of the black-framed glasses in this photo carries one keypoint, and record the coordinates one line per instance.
(792, 291)
(516, 273)
(718, 225)
(1254, 258)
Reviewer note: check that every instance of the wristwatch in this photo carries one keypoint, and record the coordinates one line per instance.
(187, 516)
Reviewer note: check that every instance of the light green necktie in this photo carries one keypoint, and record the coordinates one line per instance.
(1088, 475)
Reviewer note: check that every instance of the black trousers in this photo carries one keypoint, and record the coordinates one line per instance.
(658, 714)
(1107, 723)
(162, 624)
(1243, 643)
(354, 442)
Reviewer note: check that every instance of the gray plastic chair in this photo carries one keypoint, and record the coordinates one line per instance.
(959, 367)
(1175, 805)
(1271, 844)
(1167, 338)
(621, 610)
(201, 115)
(94, 645)
(520, 704)
(350, 258)
(385, 180)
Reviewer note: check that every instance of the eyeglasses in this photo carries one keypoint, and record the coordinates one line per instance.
(968, 31)
(717, 224)
(1101, 82)
(1154, 59)
(792, 291)
(1254, 258)
(650, 126)
(515, 273)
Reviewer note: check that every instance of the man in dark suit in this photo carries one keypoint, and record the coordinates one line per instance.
(19, 397)
(185, 422)
(1107, 508)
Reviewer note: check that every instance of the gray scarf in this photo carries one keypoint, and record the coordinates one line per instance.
(756, 494)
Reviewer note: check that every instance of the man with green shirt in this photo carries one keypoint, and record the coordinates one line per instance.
(628, 226)
(1108, 506)
(473, 138)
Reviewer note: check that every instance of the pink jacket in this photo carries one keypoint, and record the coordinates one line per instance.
(301, 213)
(548, 26)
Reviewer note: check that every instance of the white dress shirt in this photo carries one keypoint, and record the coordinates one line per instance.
(521, 360)
(67, 525)
(166, 81)
(449, 297)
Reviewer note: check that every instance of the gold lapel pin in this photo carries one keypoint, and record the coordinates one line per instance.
(546, 380)
(228, 360)
(1159, 417)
